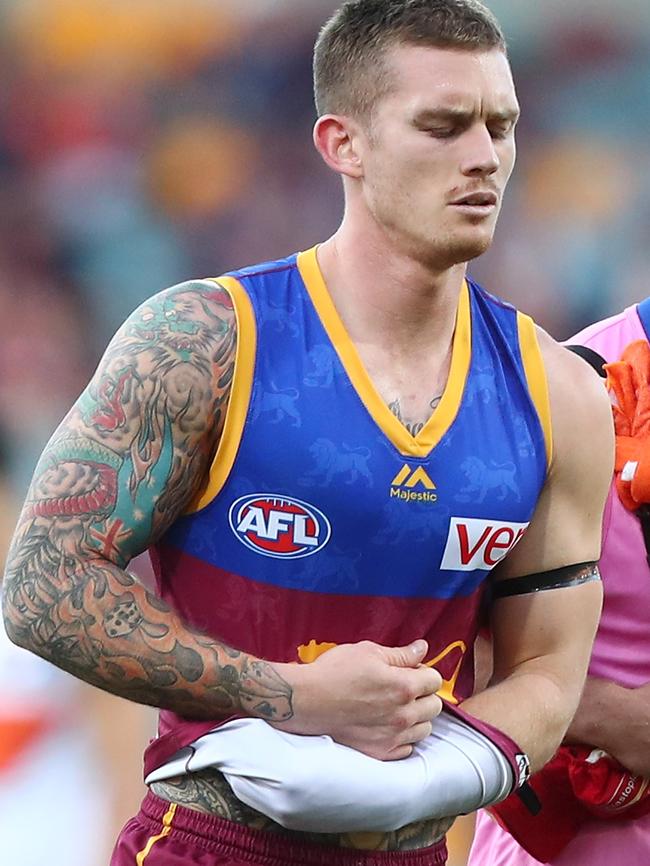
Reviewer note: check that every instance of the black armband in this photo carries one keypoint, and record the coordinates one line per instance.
(557, 578)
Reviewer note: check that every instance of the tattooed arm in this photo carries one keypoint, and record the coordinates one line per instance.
(123, 465)
(120, 468)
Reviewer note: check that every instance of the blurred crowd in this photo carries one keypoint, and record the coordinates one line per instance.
(144, 142)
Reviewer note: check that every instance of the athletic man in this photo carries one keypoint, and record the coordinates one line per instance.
(614, 713)
(336, 491)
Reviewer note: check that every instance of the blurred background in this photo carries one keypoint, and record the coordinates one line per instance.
(143, 142)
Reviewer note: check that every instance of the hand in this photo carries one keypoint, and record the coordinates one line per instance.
(378, 700)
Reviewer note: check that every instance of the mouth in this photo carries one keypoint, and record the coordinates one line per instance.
(481, 203)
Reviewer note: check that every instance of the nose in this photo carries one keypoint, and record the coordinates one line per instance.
(480, 156)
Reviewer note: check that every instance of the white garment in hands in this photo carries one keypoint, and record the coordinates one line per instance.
(313, 784)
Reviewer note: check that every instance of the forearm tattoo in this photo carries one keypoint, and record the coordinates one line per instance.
(128, 458)
(207, 791)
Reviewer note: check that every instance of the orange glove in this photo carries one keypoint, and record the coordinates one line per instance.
(629, 381)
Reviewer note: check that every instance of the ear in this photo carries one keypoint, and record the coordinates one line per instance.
(336, 139)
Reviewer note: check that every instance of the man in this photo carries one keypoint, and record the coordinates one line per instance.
(303, 494)
(614, 712)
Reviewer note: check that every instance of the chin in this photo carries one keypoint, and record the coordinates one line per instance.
(465, 249)
(473, 251)
(454, 251)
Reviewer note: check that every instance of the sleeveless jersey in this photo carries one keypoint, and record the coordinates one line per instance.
(323, 520)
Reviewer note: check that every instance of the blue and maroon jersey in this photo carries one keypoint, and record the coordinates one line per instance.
(323, 520)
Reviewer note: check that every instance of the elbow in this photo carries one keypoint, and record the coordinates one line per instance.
(13, 620)
(6, 609)
(15, 634)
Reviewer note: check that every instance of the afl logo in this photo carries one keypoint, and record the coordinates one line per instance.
(279, 527)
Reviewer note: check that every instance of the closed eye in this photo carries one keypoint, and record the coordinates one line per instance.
(442, 131)
(501, 131)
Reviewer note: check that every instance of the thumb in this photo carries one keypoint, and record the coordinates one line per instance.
(407, 656)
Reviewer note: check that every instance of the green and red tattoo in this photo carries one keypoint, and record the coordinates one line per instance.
(125, 462)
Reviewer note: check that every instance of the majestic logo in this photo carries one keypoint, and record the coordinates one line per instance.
(278, 526)
(474, 543)
(404, 484)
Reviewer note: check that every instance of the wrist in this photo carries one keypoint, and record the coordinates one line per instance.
(263, 690)
(597, 721)
(298, 678)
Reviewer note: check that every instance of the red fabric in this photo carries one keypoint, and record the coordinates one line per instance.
(607, 789)
(544, 835)
(177, 836)
(577, 784)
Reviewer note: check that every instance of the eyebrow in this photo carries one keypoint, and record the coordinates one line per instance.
(457, 114)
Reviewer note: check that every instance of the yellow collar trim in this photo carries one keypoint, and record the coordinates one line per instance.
(444, 414)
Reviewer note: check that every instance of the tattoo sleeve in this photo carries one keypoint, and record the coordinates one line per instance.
(124, 463)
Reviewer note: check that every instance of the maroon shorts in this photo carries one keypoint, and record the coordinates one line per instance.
(163, 834)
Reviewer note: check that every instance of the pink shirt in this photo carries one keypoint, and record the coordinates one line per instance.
(621, 653)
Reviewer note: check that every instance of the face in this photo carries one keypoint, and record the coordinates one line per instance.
(439, 151)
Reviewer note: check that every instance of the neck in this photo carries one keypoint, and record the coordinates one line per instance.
(376, 286)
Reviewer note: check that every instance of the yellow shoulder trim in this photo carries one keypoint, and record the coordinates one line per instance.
(168, 817)
(240, 394)
(446, 411)
(536, 377)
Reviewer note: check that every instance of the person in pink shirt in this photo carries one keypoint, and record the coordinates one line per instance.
(614, 714)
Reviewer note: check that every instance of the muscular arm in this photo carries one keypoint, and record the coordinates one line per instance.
(123, 465)
(543, 640)
(617, 720)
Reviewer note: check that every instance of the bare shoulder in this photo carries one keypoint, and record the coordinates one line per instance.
(568, 373)
(179, 329)
(580, 406)
(184, 321)
(566, 526)
(135, 447)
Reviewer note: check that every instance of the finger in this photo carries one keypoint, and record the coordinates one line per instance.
(424, 681)
(408, 656)
(416, 733)
(397, 753)
(427, 709)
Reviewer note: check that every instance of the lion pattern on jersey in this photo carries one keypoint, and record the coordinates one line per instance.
(279, 404)
(330, 462)
(321, 367)
(483, 478)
